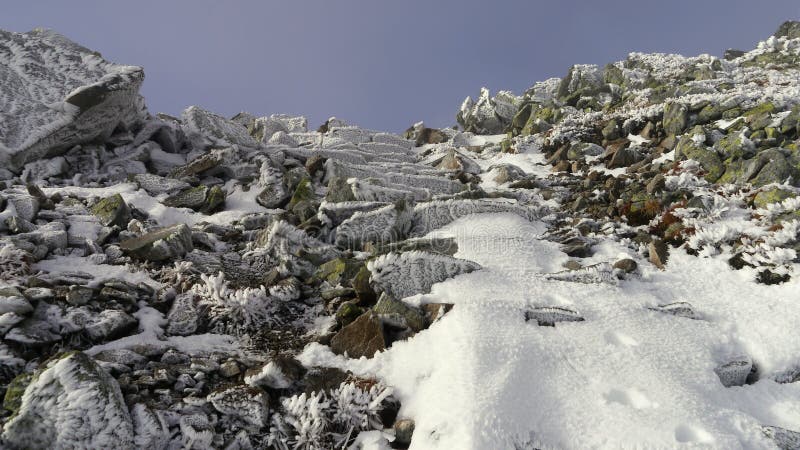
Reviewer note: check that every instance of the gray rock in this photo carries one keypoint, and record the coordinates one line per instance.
(550, 315)
(79, 295)
(160, 245)
(58, 94)
(16, 304)
(676, 116)
(108, 324)
(783, 438)
(155, 184)
(735, 373)
(397, 314)
(250, 405)
(71, 403)
(680, 309)
(183, 316)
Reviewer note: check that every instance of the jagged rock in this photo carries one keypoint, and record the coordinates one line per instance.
(659, 253)
(435, 311)
(247, 404)
(736, 372)
(676, 117)
(362, 338)
(481, 117)
(624, 157)
(548, 316)
(151, 429)
(189, 198)
(58, 94)
(783, 438)
(388, 224)
(680, 309)
(405, 274)
(160, 245)
(215, 130)
(71, 403)
(396, 314)
(112, 211)
(108, 324)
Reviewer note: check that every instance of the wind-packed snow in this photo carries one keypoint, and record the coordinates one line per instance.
(626, 377)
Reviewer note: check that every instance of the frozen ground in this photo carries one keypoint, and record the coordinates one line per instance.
(626, 377)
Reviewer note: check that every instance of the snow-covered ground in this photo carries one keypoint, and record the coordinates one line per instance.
(626, 377)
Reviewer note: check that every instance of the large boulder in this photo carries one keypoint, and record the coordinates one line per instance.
(70, 403)
(57, 94)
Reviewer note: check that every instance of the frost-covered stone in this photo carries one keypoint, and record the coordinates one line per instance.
(388, 224)
(680, 309)
(57, 94)
(735, 373)
(151, 430)
(183, 316)
(109, 323)
(215, 130)
(160, 245)
(550, 315)
(250, 405)
(596, 273)
(405, 274)
(784, 439)
(432, 215)
(71, 403)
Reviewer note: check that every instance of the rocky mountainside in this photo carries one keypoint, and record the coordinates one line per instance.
(608, 261)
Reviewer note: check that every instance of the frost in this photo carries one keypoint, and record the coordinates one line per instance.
(150, 429)
(384, 225)
(405, 274)
(436, 214)
(71, 403)
(13, 263)
(236, 310)
(287, 244)
(596, 273)
(322, 420)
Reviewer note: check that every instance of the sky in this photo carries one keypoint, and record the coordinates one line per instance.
(377, 63)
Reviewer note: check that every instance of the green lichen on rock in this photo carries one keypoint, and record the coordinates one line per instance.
(708, 158)
(70, 403)
(676, 117)
(760, 116)
(773, 195)
(397, 314)
(303, 193)
(338, 270)
(13, 398)
(112, 211)
(215, 199)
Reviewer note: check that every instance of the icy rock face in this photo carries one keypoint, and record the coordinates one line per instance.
(71, 403)
(405, 274)
(57, 94)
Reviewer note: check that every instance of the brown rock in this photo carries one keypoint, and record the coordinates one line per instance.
(363, 337)
(435, 311)
(659, 253)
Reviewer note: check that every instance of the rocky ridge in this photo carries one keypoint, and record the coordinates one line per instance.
(160, 275)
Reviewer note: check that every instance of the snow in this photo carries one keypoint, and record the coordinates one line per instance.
(100, 272)
(626, 377)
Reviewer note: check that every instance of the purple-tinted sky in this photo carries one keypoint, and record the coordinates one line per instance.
(381, 64)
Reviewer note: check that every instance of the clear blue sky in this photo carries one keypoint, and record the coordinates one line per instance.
(382, 64)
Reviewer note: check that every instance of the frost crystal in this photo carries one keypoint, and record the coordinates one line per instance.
(71, 403)
(436, 214)
(236, 310)
(405, 274)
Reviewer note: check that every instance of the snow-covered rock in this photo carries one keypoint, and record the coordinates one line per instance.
(57, 94)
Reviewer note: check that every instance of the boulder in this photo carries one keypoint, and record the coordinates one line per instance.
(112, 211)
(58, 94)
(70, 403)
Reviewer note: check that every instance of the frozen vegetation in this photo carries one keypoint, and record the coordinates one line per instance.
(609, 260)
